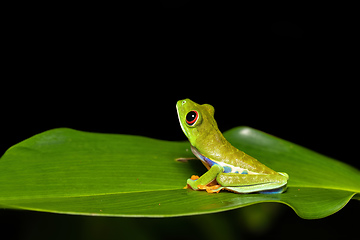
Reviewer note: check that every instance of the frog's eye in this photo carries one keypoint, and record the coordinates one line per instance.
(192, 117)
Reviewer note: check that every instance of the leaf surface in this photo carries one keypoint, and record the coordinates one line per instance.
(68, 171)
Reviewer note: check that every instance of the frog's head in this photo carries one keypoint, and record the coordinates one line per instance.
(195, 120)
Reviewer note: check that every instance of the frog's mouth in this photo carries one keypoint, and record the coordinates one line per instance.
(182, 128)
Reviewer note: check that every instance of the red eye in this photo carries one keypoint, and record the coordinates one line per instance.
(192, 117)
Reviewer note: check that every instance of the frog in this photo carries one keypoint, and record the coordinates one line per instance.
(228, 168)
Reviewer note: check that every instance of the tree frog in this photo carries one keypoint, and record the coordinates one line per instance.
(228, 167)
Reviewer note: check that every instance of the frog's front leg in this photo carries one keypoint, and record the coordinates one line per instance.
(202, 182)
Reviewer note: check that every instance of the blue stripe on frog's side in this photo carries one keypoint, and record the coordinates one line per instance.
(210, 163)
(202, 157)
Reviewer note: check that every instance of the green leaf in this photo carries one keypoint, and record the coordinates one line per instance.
(74, 172)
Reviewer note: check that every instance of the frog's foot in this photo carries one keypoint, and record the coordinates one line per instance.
(210, 189)
(192, 179)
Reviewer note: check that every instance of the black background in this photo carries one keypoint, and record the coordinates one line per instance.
(287, 69)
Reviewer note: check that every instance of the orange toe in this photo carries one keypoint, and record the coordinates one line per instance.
(194, 177)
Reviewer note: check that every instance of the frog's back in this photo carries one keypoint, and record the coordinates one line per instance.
(219, 150)
(251, 165)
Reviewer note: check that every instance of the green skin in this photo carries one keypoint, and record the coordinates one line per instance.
(231, 168)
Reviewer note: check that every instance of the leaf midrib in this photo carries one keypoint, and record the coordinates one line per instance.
(84, 195)
(326, 188)
(147, 191)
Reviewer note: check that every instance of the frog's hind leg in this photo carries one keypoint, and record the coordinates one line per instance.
(248, 183)
(275, 191)
(257, 189)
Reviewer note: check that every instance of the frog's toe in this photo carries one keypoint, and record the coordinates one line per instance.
(194, 177)
(211, 189)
